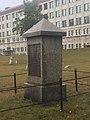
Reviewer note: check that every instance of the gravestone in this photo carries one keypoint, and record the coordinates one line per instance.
(10, 60)
(44, 42)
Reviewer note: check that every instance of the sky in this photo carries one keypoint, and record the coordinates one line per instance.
(9, 3)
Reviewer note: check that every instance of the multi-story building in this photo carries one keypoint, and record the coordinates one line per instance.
(10, 40)
(72, 16)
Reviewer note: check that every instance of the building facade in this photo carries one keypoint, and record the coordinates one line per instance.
(10, 40)
(72, 16)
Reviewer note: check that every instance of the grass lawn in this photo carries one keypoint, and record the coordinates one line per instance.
(75, 108)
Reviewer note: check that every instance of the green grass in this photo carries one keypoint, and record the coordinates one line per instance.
(77, 58)
(76, 108)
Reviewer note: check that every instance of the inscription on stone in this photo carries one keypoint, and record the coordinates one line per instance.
(34, 60)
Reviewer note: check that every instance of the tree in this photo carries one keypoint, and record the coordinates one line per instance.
(32, 15)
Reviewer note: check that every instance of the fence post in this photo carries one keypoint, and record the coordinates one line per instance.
(15, 84)
(76, 83)
(61, 94)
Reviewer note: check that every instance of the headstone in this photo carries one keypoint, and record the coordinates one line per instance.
(10, 60)
(44, 42)
(16, 62)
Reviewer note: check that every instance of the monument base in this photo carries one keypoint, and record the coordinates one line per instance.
(43, 94)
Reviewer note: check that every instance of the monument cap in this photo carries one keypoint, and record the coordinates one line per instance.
(44, 27)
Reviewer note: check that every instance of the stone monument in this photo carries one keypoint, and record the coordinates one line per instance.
(44, 42)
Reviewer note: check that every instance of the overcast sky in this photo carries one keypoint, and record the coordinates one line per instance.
(9, 3)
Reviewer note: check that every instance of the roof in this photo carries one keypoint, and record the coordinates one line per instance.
(16, 8)
(44, 27)
(41, 1)
(12, 9)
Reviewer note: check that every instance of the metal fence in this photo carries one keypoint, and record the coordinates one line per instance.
(77, 83)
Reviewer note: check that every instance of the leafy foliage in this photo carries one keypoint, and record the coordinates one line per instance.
(32, 16)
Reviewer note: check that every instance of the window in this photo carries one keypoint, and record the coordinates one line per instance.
(87, 30)
(72, 46)
(8, 40)
(78, 9)
(18, 49)
(2, 18)
(76, 45)
(71, 22)
(87, 19)
(71, 32)
(0, 34)
(64, 12)
(8, 33)
(3, 40)
(69, 46)
(2, 26)
(63, 2)
(87, 7)
(71, 1)
(25, 49)
(84, 31)
(71, 10)
(51, 4)
(40, 7)
(8, 25)
(14, 49)
(22, 49)
(57, 13)
(51, 15)
(79, 45)
(58, 23)
(57, 3)
(17, 39)
(17, 14)
(3, 34)
(7, 17)
(13, 24)
(79, 31)
(78, 21)
(13, 15)
(64, 23)
(45, 6)
(76, 32)
(65, 46)
(13, 39)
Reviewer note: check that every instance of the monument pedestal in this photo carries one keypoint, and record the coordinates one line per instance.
(44, 93)
(44, 42)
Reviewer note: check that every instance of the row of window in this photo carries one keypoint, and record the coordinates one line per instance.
(18, 49)
(57, 3)
(79, 31)
(8, 33)
(8, 25)
(71, 46)
(9, 16)
(73, 22)
(8, 40)
(64, 12)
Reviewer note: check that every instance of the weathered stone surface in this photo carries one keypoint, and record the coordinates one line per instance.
(44, 27)
(45, 82)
